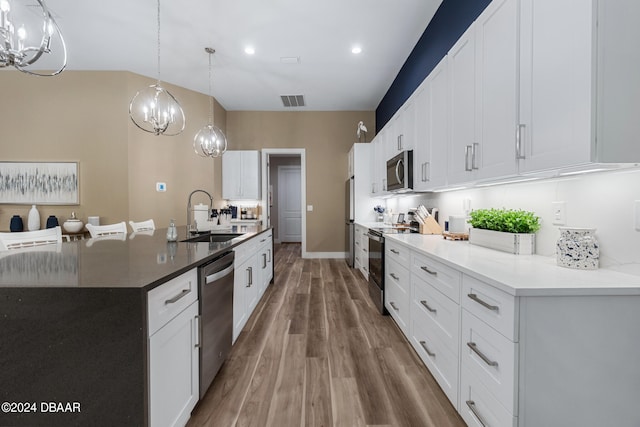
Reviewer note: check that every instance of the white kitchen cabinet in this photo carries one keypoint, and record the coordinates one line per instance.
(362, 250)
(241, 175)
(397, 293)
(265, 261)
(245, 284)
(401, 130)
(173, 351)
(483, 96)
(579, 83)
(379, 164)
(362, 180)
(431, 130)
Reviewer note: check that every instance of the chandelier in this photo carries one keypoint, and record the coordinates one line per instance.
(153, 109)
(210, 140)
(27, 33)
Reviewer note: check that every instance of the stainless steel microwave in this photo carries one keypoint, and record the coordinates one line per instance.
(400, 172)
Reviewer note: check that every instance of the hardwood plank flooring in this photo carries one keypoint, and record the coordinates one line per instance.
(316, 353)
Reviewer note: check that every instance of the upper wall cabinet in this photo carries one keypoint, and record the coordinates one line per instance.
(431, 130)
(579, 83)
(241, 175)
(483, 75)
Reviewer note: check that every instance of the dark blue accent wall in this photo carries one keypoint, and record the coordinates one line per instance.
(451, 20)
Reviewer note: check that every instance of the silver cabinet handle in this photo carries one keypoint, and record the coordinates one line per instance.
(474, 155)
(429, 352)
(198, 321)
(433, 310)
(393, 305)
(433, 273)
(249, 276)
(484, 358)
(467, 156)
(264, 261)
(394, 251)
(423, 173)
(519, 144)
(472, 406)
(178, 297)
(483, 303)
(394, 276)
(400, 142)
(269, 252)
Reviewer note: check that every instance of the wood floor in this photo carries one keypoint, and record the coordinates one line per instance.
(316, 353)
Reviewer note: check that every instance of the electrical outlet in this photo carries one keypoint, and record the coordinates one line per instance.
(309, 208)
(161, 187)
(636, 215)
(559, 210)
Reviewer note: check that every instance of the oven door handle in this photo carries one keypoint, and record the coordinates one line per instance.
(376, 238)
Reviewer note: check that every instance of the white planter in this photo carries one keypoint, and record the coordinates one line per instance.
(515, 243)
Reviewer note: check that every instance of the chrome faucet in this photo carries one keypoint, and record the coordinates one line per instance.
(189, 207)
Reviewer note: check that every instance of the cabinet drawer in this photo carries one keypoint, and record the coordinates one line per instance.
(445, 279)
(491, 358)
(441, 362)
(478, 407)
(245, 250)
(397, 294)
(491, 305)
(432, 308)
(398, 253)
(167, 300)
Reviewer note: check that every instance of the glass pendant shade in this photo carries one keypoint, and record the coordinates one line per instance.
(210, 142)
(29, 35)
(154, 110)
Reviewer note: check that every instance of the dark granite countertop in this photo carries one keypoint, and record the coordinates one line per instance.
(137, 260)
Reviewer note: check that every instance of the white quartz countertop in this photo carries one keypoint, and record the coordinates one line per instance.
(520, 275)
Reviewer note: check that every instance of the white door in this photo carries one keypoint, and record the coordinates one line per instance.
(289, 211)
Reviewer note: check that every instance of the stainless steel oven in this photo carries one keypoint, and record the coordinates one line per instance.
(376, 269)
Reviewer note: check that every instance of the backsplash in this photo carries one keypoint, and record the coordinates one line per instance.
(603, 200)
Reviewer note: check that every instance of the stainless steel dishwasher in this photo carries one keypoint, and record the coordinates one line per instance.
(215, 283)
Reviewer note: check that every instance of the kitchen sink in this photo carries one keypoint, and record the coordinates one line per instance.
(213, 237)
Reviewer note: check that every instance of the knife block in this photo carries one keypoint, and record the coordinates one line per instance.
(430, 226)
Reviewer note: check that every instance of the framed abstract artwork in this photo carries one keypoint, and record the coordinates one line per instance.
(42, 183)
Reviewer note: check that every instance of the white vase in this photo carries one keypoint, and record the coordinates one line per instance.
(33, 221)
(578, 248)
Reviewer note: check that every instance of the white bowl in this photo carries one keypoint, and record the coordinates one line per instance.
(72, 225)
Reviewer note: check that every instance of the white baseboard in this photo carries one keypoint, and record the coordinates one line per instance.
(324, 255)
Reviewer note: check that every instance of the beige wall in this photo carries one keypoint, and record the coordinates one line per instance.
(326, 138)
(83, 116)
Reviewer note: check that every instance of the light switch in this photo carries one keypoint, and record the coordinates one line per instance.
(309, 208)
(559, 213)
(161, 187)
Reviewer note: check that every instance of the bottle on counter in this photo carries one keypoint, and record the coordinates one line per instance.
(33, 221)
(172, 231)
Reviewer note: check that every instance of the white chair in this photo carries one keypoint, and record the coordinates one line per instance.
(142, 225)
(48, 236)
(106, 230)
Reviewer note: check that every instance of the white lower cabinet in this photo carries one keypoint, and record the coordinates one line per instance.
(246, 277)
(397, 294)
(361, 240)
(265, 261)
(478, 407)
(173, 350)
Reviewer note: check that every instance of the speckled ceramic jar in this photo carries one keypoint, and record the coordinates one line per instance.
(578, 248)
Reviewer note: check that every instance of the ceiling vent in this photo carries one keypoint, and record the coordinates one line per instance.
(292, 100)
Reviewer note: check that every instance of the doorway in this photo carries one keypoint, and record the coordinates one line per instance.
(284, 194)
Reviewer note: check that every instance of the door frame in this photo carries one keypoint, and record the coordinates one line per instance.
(266, 152)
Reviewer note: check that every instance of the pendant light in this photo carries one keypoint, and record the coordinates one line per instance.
(210, 140)
(28, 33)
(153, 109)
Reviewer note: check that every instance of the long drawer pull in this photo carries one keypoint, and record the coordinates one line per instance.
(198, 328)
(394, 251)
(433, 310)
(433, 273)
(178, 297)
(472, 406)
(483, 303)
(484, 358)
(429, 352)
(392, 304)
(394, 276)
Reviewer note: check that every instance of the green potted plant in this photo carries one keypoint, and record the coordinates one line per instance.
(506, 230)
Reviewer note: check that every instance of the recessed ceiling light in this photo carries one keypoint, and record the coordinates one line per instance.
(356, 50)
(249, 50)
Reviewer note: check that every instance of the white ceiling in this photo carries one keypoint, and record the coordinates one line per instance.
(121, 35)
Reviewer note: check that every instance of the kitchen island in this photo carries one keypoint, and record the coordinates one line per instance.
(74, 325)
